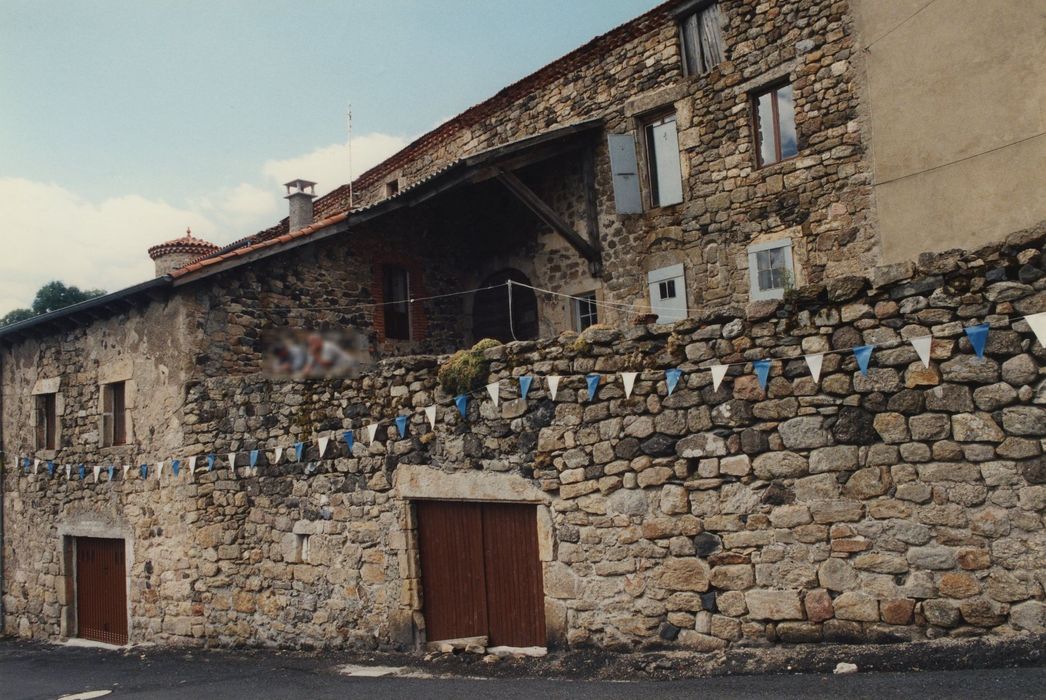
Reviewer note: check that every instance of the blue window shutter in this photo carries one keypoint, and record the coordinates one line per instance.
(627, 199)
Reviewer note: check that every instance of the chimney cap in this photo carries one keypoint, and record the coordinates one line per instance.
(300, 187)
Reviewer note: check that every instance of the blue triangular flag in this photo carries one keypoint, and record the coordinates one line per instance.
(349, 438)
(672, 379)
(593, 385)
(253, 458)
(462, 402)
(111, 470)
(25, 464)
(978, 336)
(144, 471)
(762, 371)
(524, 385)
(863, 353)
(83, 472)
(50, 468)
(401, 425)
(175, 466)
(299, 448)
(210, 462)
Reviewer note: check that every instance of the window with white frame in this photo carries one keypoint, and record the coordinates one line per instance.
(700, 28)
(668, 293)
(770, 269)
(662, 154)
(583, 311)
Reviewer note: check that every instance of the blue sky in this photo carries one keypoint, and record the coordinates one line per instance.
(124, 122)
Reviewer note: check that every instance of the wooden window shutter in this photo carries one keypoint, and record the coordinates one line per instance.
(625, 168)
(107, 414)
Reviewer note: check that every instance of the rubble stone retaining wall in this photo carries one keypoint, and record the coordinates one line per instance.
(904, 504)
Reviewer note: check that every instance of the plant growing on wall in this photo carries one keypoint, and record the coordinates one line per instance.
(466, 370)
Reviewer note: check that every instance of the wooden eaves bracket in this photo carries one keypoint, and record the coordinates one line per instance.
(547, 215)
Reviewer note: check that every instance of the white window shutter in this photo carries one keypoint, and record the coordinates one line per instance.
(625, 168)
(672, 279)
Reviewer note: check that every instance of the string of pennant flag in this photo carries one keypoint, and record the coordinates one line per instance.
(976, 334)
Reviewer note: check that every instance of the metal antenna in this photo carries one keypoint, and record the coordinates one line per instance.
(348, 115)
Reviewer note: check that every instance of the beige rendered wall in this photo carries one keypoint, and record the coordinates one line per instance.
(957, 107)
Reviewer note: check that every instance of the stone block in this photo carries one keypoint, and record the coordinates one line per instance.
(868, 483)
(772, 465)
(774, 605)
(934, 557)
(684, 574)
(732, 577)
(818, 604)
(1029, 421)
(976, 427)
(696, 641)
(804, 432)
(701, 445)
(859, 607)
(735, 465)
(834, 459)
(892, 427)
(897, 611)
(958, 584)
(837, 575)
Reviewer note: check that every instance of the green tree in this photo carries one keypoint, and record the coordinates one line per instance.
(51, 297)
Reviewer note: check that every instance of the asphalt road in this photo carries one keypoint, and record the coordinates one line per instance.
(32, 671)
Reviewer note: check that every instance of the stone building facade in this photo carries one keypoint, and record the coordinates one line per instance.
(905, 504)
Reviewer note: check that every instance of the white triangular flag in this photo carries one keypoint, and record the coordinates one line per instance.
(68, 471)
(36, 466)
(629, 380)
(1038, 326)
(814, 363)
(192, 467)
(372, 430)
(232, 463)
(494, 389)
(430, 413)
(718, 372)
(279, 453)
(322, 443)
(159, 469)
(922, 346)
(553, 386)
(126, 468)
(97, 470)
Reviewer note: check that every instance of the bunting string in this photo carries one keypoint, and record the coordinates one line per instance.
(977, 336)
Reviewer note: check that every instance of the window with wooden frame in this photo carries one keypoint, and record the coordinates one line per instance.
(770, 269)
(583, 311)
(774, 116)
(114, 414)
(396, 307)
(46, 421)
(701, 36)
(662, 154)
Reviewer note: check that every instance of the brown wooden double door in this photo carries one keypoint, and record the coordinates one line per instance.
(481, 572)
(101, 590)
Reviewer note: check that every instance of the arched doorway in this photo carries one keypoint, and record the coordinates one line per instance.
(490, 311)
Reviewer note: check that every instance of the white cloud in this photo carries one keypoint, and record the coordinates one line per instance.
(54, 234)
(51, 233)
(329, 166)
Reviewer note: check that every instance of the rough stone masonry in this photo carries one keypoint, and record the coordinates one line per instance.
(905, 504)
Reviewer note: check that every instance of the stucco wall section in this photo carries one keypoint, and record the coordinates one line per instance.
(958, 120)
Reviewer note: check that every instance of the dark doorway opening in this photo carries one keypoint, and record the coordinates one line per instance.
(490, 311)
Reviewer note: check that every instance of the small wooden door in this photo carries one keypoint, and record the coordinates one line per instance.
(481, 573)
(101, 590)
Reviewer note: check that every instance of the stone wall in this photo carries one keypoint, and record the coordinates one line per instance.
(903, 505)
(820, 201)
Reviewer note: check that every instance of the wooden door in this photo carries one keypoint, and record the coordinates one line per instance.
(480, 572)
(515, 589)
(101, 590)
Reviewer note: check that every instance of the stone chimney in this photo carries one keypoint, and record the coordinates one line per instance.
(180, 252)
(300, 193)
